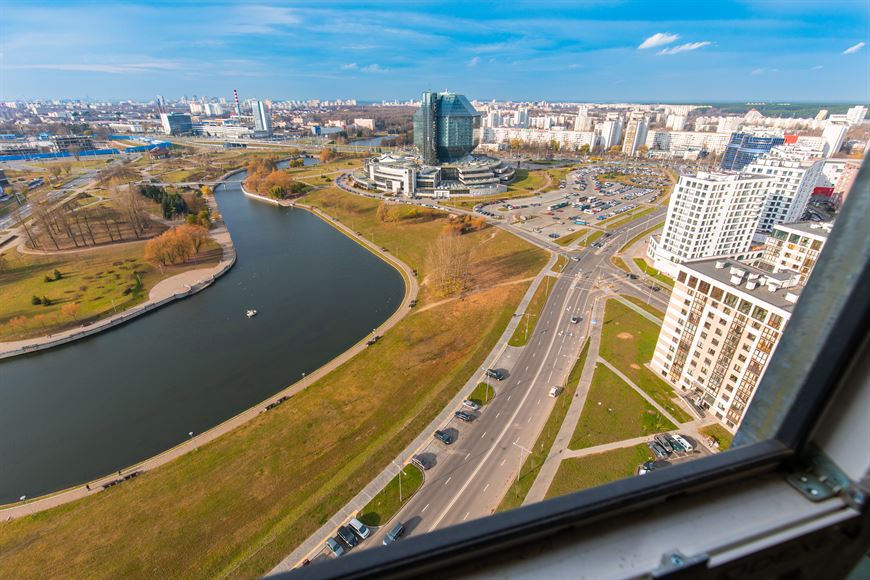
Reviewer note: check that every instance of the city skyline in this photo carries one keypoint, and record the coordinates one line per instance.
(604, 51)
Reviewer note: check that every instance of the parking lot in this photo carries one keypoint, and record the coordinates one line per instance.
(585, 201)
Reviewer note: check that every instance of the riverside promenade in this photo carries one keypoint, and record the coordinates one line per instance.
(32, 506)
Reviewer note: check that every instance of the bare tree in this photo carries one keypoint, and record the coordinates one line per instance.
(447, 261)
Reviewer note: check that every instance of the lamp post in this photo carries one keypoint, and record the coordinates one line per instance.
(401, 473)
(520, 471)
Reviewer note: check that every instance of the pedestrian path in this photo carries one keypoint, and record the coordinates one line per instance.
(639, 391)
(648, 315)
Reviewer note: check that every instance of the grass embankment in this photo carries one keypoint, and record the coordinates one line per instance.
(568, 238)
(576, 473)
(615, 412)
(720, 434)
(390, 500)
(238, 505)
(560, 264)
(95, 280)
(641, 304)
(628, 341)
(591, 238)
(650, 271)
(482, 394)
(620, 263)
(532, 466)
(628, 218)
(632, 241)
(529, 320)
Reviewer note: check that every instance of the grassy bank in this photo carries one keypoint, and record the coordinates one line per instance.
(243, 502)
(482, 394)
(530, 317)
(650, 271)
(633, 240)
(576, 473)
(532, 466)
(560, 264)
(620, 263)
(568, 238)
(720, 434)
(390, 500)
(641, 304)
(628, 341)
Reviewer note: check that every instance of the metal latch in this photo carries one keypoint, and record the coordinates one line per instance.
(677, 565)
(818, 478)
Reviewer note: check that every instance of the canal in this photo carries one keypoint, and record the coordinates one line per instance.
(76, 412)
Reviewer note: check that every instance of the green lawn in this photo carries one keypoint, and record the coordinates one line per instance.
(591, 238)
(576, 473)
(244, 501)
(568, 238)
(640, 303)
(650, 271)
(95, 280)
(530, 317)
(560, 263)
(628, 341)
(390, 499)
(629, 218)
(720, 434)
(614, 412)
(532, 466)
(620, 263)
(482, 394)
(646, 232)
(526, 181)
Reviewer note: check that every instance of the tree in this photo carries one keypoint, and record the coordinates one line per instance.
(54, 170)
(206, 190)
(327, 155)
(584, 149)
(70, 309)
(447, 260)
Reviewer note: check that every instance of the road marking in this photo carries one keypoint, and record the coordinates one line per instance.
(539, 402)
(486, 486)
(529, 420)
(497, 414)
(466, 516)
(517, 439)
(448, 480)
(484, 434)
(509, 397)
(425, 508)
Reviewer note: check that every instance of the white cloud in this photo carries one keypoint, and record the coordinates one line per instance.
(685, 47)
(111, 68)
(350, 66)
(818, 67)
(474, 61)
(853, 49)
(658, 39)
(758, 71)
(373, 68)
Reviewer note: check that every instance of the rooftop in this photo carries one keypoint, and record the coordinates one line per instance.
(780, 290)
(816, 229)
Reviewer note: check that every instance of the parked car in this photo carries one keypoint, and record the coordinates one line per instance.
(575, 319)
(335, 546)
(443, 437)
(347, 536)
(556, 391)
(657, 449)
(666, 445)
(471, 405)
(463, 416)
(684, 442)
(495, 374)
(420, 462)
(675, 445)
(359, 528)
(394, 534)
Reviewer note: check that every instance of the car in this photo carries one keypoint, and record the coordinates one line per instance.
(335, 546)
(394, 534)
(576, 319)
(632, 276)
(443, 437)
(347, 536)
(666, 445)
(655, 288)
(463, 416)
(675, 445)
(684, 442)
(421, 462)
(575, 258)
(556, 391)
(554, 236)
(657, 449)
(471, 405)
(359, 528)
(495, 374)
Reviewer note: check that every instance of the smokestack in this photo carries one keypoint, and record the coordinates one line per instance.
(238, 107)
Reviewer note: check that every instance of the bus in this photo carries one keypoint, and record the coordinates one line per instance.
(559, 205)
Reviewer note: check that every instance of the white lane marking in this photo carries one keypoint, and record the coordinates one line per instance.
(425, 508)
(497, 414)
(467, 456)
(448, 480)
(538, 402)
(486, 486)
(529, 420)
(509, 397)
(484, 434)
(502, 462)
(466, 516)
(517, 439)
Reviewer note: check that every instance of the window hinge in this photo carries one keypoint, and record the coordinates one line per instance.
(677, 565)
(818, 478)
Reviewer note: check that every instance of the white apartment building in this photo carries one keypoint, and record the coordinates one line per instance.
(683, 140)
(566, 139)
(611, 131)
(795, 175)
(635, 133)
(834, 135)
(365, 123)
(709, 214)
(855, 115)
(795, 248)
(723, 323)
(675, 122)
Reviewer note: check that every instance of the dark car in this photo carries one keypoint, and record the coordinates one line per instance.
(348, 536)
(394, 534)
(675, 445)
(421, 462)
(335, 546)
(495, 374)
(663, 441)
(443, 437)
(657, 449)
(463, 416)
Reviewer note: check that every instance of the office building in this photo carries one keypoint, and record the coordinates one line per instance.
(262, 117)
(176, 123)
(794, 247)
(723, 323)
(635, 133)
(446, 128)
(833, 136)
(744, 148)
(709, 214)
(795, 175)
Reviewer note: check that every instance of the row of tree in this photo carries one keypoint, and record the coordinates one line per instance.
(265, 178)
(177, 245)
(171, 203)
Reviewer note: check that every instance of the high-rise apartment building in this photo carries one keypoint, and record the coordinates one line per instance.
(855, 115)
(635, 133)
(262, 117)
(795, 176)
(611, 131)
(833, 135)
(446, 128)
(723, 323)
(795, 247)
(744, 148)
(709, 214)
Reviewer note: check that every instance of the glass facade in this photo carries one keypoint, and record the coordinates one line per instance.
(744, 148)
(446, 128)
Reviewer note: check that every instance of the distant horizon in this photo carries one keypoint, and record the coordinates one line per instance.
(627, 51)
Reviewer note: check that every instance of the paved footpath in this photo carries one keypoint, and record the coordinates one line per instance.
(314, 544)
(75, 493)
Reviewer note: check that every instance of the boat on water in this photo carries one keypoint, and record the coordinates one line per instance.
(251, 313)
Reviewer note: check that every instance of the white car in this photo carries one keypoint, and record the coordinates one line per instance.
(359, 528)
(682, 441)
(471, 405)
(555, 392)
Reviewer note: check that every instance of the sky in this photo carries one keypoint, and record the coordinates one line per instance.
(595, 50)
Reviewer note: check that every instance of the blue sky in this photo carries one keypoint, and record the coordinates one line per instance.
(704, 50)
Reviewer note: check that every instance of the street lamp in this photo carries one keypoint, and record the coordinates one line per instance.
(401, 473)
(520, 471)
